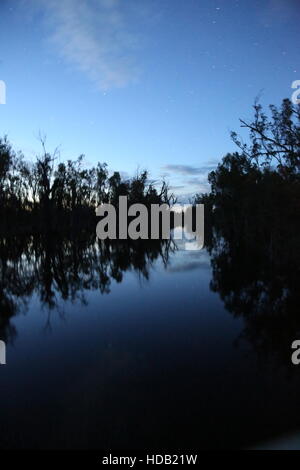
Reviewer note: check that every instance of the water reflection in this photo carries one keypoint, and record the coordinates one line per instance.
(63, 269)
(258, 280)
(172, 367)
(260, 288)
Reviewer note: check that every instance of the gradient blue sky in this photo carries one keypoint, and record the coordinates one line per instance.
(155, 84)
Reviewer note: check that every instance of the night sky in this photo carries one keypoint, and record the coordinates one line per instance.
(155, 84)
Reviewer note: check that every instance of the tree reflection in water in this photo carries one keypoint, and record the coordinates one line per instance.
(62, 269)
(260, 283)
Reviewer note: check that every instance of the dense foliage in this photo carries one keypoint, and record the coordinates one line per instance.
(46, 195)
(253, 226)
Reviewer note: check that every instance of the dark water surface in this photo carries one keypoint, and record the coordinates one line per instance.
(131, 348)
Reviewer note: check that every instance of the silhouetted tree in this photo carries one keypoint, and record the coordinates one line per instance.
(254, 213)
(46, 195)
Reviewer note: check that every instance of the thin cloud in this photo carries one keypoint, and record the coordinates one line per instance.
(94, 37)
(187, 180)
(189, 170)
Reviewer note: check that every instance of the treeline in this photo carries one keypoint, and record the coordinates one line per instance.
(255, 193)
(253, 227)
(47, 195)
